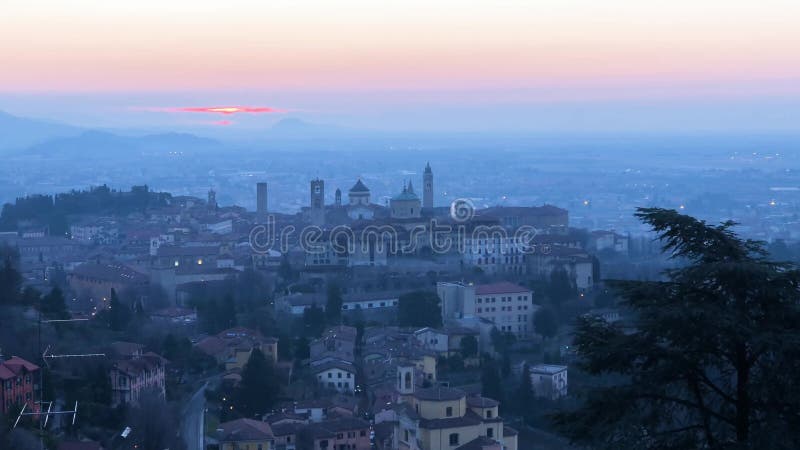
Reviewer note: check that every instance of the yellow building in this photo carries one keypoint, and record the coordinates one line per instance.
(245, 434)
(442, 418)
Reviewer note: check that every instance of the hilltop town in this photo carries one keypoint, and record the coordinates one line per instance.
(350, 324)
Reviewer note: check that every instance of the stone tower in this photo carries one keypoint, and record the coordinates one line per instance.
(405, 379)
(338, 197)
(317, 212)
(261, 202)
(427, 188)
(212, 200)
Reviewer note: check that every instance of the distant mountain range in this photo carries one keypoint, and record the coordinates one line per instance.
(36, 137)
(102, 143)
(19, 132)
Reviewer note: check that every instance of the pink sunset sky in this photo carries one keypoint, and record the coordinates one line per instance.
(371, 63)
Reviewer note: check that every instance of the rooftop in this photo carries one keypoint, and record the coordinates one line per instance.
(548, 369)
(245, 430)
(503, 287)
(14, 367)
(439, 393)
(359, 187)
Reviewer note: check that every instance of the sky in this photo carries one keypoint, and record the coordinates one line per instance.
(427, 65)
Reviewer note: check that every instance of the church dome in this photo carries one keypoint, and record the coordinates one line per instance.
(359, 187)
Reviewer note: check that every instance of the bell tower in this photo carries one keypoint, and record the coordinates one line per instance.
(427, 188)
(405, 379)
(317, 212)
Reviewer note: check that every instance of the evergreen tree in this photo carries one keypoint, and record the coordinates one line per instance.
(561, 287)
(258, 389)
(711, 359)
(10, 282)
(313, 321)
(53, 305)
(119, 314)
(468, 346)
(226, 313)
(419, 309)
(333, 307)
(491, 384)
(524, 396)
(545, 322)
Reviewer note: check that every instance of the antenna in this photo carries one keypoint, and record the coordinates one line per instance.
(41, 402)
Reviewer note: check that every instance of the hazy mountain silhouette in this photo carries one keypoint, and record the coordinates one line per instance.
(20, 132)
(102, 143)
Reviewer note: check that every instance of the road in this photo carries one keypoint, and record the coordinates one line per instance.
(193, 421)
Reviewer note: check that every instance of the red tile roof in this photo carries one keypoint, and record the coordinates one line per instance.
(503, 287)
(15, 366)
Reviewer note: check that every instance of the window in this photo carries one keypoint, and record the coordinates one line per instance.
(330, 375)
(488, 413)
(453, 438)
(339, 375)
(449, 411)
(406, 434)
(490, 432)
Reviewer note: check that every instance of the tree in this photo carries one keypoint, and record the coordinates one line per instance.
(491, 384)
(10, 282)
(119, 314)
(53, 305)
(313, 321)
(301, 348)
(561, 287)
(545, 322)
(468, 346)
(419, 309)
(153, 423)
(712, 357)
(226, 312)
(333, 307)
(524, 396)
(258, 389)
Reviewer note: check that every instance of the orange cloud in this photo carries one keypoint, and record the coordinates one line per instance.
(226, 110)
(229, 109)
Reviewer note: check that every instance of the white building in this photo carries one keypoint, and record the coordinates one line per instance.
(549, 380)
(337, 375)
(507, 305)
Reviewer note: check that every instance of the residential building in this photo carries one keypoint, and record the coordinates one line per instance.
(337, 375)
(549, 380)
(19, 382)
(130, 378)
(245, 434)
(509, 306)
(97, 280)
(232, 347)
(347, 433)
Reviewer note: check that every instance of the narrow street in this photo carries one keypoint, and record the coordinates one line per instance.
(193, 420)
